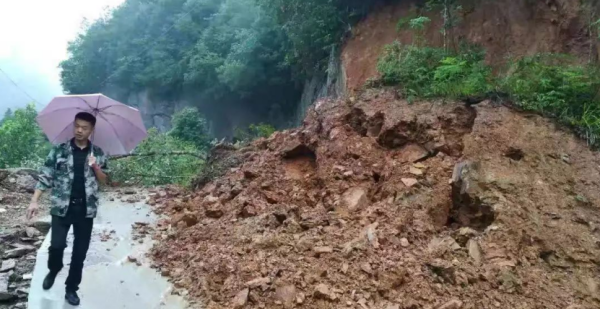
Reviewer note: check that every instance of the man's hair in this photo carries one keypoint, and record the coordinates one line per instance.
(86, 117)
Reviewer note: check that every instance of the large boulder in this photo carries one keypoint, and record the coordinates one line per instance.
(19, 179)
(471, 205)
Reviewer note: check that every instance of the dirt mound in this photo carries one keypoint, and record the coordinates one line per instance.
(375, 203)
(19, 240)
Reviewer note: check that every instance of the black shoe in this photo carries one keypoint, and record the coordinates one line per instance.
(49, 280)
(72, 298)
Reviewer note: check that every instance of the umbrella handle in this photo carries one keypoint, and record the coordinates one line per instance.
(92, 143)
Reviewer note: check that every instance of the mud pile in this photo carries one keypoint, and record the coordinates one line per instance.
(375, 203)
(19, 240)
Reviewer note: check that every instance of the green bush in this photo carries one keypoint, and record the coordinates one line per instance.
(159, 159)
(553, 85)
(190, 126)
(22, 143)
(556, 86)
(411, 67)
(253, 132)
(434, 72)
(457, 77)
(412, 21)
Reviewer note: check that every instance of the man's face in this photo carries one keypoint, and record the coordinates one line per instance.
(83, 130)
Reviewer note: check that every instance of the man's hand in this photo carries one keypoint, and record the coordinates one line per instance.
(92, 160)
(97, 169)
(32, 210)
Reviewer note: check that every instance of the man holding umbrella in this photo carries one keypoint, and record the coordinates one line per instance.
(74, 170)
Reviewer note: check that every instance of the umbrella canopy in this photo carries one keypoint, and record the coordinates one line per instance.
(119, 127)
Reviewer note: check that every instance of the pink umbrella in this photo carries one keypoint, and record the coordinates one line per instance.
(119, 128)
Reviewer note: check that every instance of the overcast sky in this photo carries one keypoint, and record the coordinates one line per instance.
(33, 41)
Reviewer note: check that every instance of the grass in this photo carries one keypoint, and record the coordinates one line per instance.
(554, 85)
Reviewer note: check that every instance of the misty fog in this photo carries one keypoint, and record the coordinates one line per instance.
(34, 35)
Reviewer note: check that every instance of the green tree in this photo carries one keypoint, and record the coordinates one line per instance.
(449, 10)
(228, 53)
(7, 115)
(314, 27)
(418, 25)
(190, 126)
(21, 140)
(152, 163)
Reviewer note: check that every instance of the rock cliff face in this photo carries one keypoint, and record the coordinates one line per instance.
(158, 112)
(331, 84)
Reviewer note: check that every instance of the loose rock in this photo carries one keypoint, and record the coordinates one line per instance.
(404, 242)
(286, 295)
(415, 171)
(214, 212)
(475, 251)
(7, 265)
(322, 291)
(19, 252)
(258, 282)
(409, 182)
(453, 304)
(4, 294)
(320, 250)
(240, 300)
(32, 232)
(355, 199)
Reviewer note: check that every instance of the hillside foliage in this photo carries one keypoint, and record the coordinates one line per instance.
(22, 143)
(226, 53)
(554, 85)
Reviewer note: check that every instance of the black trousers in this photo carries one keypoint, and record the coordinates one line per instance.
(82, 229)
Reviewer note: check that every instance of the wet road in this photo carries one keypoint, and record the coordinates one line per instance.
(110, 280)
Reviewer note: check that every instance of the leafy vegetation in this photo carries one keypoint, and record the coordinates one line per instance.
(154, 162)
(225, 54)
(225, 51)
(22, 143)
(434, 72)
(553, 85)
(556, 86)
(161, 158)
(7, 115)
(164, 158)
(190, 126)
(405, 21)
(253, 132)
(313, 27)
(449, 9)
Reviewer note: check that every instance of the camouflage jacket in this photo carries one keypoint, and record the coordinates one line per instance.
(57, 174)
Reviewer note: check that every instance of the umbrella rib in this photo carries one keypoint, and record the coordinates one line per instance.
(113, 128)
(98, 102)
(86, 103)
(113, 114)
(61, 132)
(62, 109)
(119, 105)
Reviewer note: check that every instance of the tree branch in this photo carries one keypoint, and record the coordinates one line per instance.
(149, 154)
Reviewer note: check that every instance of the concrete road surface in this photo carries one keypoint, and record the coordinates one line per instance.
(110, 280)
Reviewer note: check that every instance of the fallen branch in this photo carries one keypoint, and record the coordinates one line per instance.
(149, 154)
(160, 176)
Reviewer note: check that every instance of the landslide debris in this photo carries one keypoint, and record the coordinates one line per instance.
(382, 204)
